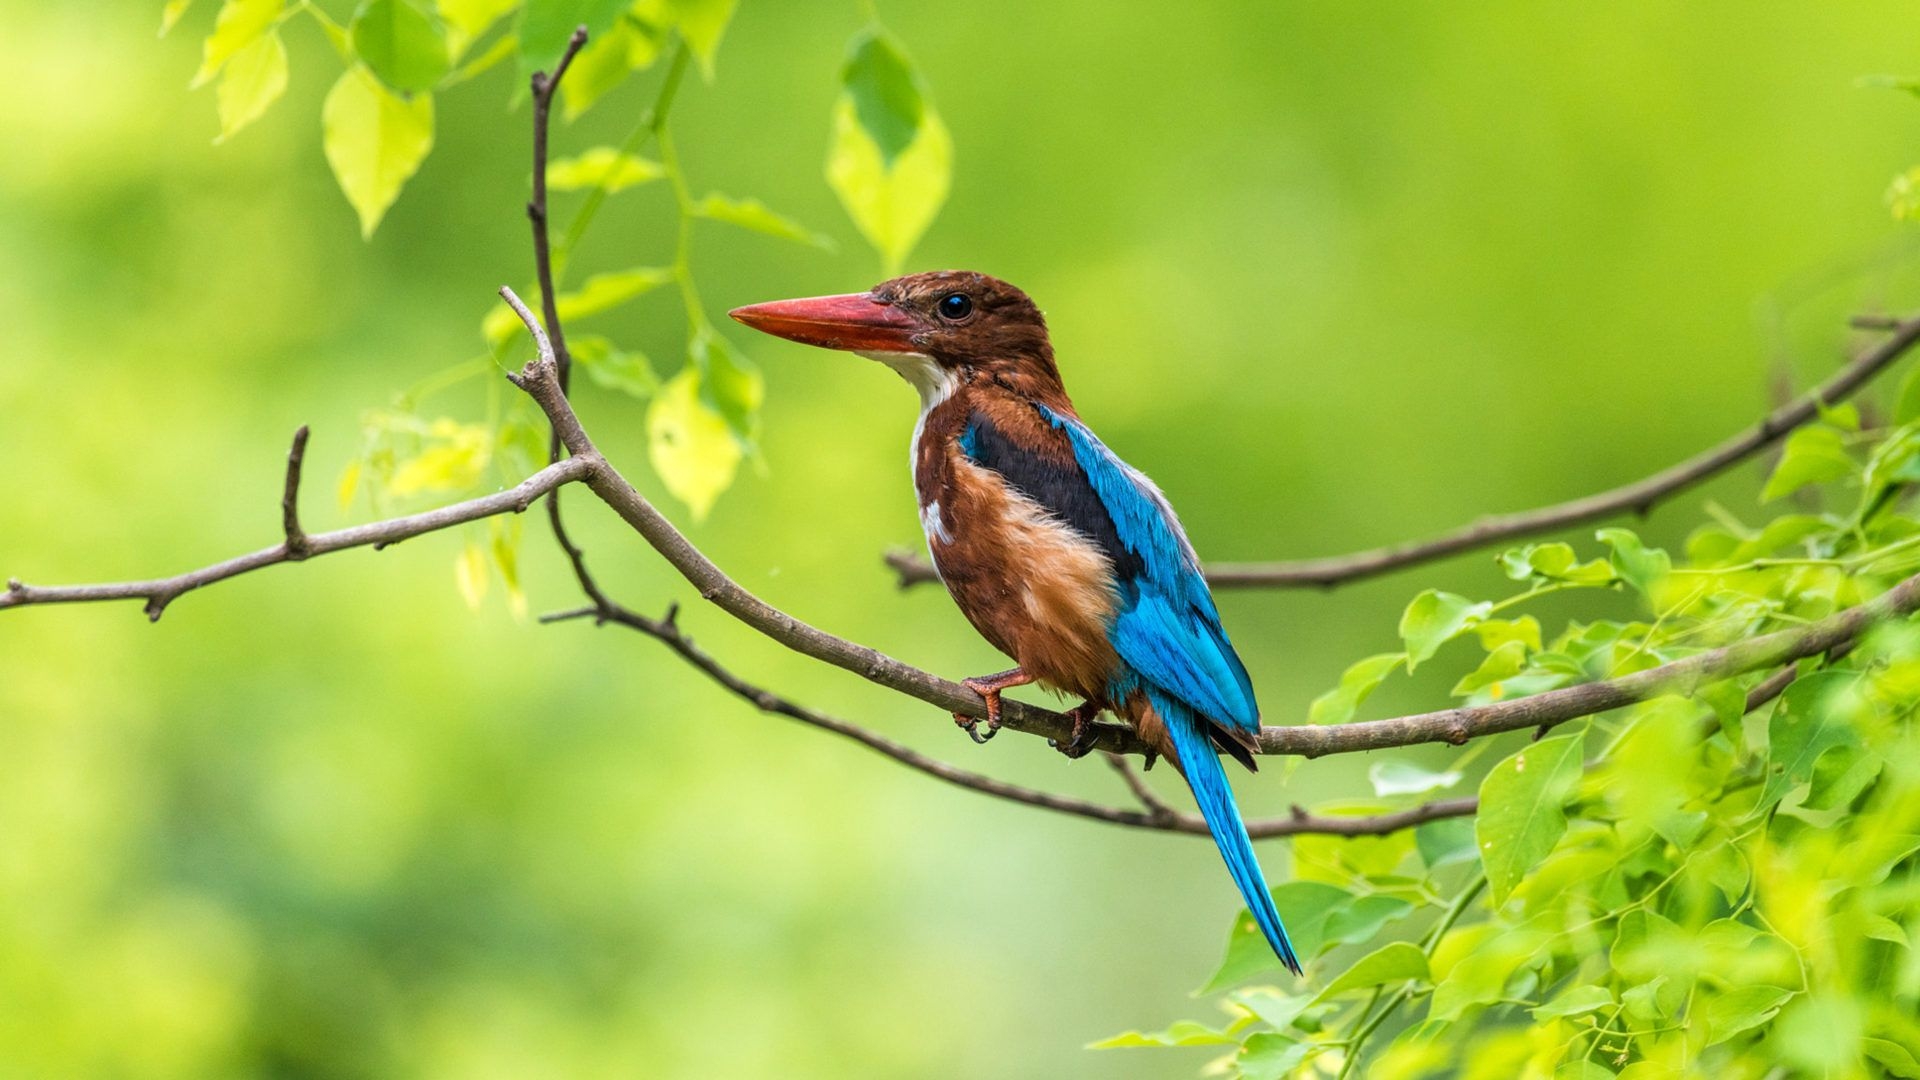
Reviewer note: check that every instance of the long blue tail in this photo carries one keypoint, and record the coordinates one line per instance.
(1208, 780)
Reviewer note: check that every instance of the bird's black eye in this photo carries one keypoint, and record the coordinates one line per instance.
(955, 306)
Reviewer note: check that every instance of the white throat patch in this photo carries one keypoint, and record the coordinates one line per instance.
(935, 385)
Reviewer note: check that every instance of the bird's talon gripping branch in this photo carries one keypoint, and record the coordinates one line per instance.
(989, 687)
(1083, 736)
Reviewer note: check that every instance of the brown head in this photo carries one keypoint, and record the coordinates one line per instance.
(937, 329)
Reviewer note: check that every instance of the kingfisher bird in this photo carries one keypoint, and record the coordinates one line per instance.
(1060, 554)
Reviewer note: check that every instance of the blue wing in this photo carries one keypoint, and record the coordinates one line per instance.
(1167, 629)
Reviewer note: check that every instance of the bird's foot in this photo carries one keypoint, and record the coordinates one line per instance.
(1083, 736)
(989, 687)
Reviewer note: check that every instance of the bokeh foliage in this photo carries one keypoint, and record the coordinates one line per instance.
(1332, 281)
(1683, 887)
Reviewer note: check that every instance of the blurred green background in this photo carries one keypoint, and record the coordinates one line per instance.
(1332, 278)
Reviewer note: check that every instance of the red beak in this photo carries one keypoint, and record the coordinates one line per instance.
(855, 322)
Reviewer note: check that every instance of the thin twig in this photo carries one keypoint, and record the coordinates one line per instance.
(297, 544)
(543, 87)
(1639, 496)
(159, 592)
(1143, 791)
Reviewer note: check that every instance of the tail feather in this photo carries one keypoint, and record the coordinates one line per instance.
(1208, 779)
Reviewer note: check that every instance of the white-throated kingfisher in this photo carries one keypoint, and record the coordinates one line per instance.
(1063, 556)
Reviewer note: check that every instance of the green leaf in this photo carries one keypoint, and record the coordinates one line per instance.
(1389, 963)
(602, 167)
(1435, 618)
(702, 23)
(601, 292)
(374, 141)
(1815, 454)
(1907, 405)
(239, 24)
(1337, 706)
(1578, 1000)
(1521, 816)
(891, 160)
(1497, 632)
(1362, 919)
(1501, 664)
(614, 368)
(1405, 778)
(1891, 1056)
(1304, 906)
(1554, 562)
(690, 445)
(466, 20)
(1269, 1055)
(885, 93)
(1445, 842)
(170, 15)
(400, 43)
(1810, 721)
(546, 25)
(251, 82)
(729, 383)
(1182, 1033)
(1638, 565)
(753, 214)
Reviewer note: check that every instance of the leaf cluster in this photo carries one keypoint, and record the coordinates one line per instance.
(1683, 887)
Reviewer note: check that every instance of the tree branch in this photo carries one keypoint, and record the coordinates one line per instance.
(1158, 816)
(159, 592)
(1455, 725)
(1639, 496)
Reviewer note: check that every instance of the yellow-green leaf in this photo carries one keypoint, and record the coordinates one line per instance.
(602, 166)
(470, 573)
(501, 48)
(466, 20)
(753, 214)
(702, 23)
(375, 141)
(239, 23)
(251, 82)
(891, 159)
(454, 458)
(1337, 706)
(606, 62)
(601, 292)
(1394, 962)
(170, 15)
(504, 534)
(1812, 455)
(349, 484)
(690, 445)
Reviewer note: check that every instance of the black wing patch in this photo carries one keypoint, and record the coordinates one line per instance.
(1063, 490)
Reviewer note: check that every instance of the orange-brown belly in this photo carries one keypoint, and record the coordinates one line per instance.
(1036, 589)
